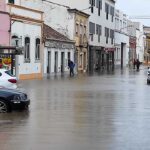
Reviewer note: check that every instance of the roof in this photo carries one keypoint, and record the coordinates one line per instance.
(50, 33)
(78, 12)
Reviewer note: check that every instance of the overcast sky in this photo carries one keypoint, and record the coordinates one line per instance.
(135, 8)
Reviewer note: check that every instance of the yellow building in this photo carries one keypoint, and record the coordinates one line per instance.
(81, 39)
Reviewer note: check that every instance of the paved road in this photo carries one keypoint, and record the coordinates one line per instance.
(100, 112)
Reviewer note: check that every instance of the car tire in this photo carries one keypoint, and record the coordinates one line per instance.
(4, 107)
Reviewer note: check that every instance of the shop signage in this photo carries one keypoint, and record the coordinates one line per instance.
(111, 49)
(59, 45)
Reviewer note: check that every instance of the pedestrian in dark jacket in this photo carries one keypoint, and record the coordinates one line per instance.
(137, 64)
(71, 66)
(134, 63)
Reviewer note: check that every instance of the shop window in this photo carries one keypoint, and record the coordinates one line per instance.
(37, 49)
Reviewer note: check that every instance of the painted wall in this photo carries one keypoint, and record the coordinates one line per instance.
(55, 16)
(58, 18)
(52, 59)
(5, 25)
(121, 36)
(2, 5)
(4, 29)
(33, 32)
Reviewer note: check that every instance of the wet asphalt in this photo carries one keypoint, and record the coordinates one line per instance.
(85, 112)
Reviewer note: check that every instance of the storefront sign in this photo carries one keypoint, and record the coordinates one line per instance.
(110, 49)
(59, 45)
(5, 62)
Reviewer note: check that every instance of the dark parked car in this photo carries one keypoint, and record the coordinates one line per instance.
(148, 76)
(12, 100)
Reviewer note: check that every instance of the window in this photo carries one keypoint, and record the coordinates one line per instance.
(84, 30)
(81, 29)
(77, 28)
(107, 34)
(112, 11)
(11, 1)
(120, 24)
(98, 31)
(37, 49)
(91, 29)
(99, 6)
(107, 10)
(112, 36)
(92, 2)
(27, 49)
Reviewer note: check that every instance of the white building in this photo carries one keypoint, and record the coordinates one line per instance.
(26, 30)
(57, 51)
(101, 25)
(121, 39)
(137, 40)
(140, 39)
(60, 20)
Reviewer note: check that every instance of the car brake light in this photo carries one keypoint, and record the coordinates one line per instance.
(12, 80)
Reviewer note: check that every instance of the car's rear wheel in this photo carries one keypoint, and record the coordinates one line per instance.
(4, 108)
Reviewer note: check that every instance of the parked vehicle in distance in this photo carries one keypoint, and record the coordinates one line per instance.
(7, 80)
(12, 100)
(148, 75)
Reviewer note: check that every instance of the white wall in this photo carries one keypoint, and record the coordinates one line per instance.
(59, 18)
(121, 36)
(52, 59)
(32, 31)
(140, 42)
(55, 16)
(101, 20)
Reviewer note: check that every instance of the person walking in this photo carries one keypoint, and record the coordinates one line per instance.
(71, 66)
(134, 63)
(137, 65)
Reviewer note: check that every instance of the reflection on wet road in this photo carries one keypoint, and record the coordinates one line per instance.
(100, 112)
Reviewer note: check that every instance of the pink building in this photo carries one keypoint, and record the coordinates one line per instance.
(4, 25)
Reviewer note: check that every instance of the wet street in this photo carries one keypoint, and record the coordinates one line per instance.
(96, 112)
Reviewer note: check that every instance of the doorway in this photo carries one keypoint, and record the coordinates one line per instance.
(62, 61)
(56, 62)
(49, 62)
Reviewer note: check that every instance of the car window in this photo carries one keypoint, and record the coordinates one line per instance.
(9, 73)
(0, 74)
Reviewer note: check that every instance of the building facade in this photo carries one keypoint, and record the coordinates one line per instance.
(137, 41)
(121, 40)
(26, 32)
(5, 26)
(101, 33)
(81, 39)
(147, 45)
(101, 26)
(132, 42)
(57, 51)
(140, 38)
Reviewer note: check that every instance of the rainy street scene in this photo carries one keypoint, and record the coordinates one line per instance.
(97, 112)
(74, 75)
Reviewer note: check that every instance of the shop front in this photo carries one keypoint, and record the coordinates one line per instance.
(8, 57)
(101, 59)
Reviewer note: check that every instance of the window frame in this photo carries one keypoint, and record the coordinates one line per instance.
(27, 50)
(37, 49)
